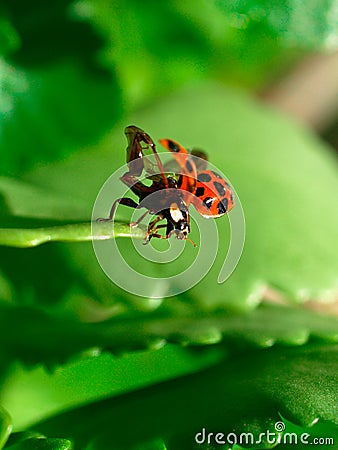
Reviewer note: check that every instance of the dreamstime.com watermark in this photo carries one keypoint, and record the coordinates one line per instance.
(135, 275)
(279, 436)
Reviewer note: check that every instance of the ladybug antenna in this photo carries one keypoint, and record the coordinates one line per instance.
(193, 243)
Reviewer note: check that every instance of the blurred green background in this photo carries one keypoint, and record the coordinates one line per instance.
(255, 84)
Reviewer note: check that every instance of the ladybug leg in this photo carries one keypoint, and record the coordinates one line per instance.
(157, 235)
(162, 225)
(134, 224)
(154, 234)
(122, 201)
(152, 228)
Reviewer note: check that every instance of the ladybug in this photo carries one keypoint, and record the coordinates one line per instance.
(207, 190)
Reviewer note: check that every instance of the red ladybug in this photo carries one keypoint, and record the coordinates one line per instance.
(207, 190)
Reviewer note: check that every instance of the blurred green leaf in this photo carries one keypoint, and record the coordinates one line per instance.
(9, 39)
(5, 426)
(57, 110)
(38, 276)
(20, 436)
(153, 444)
(34, 393)
(51, 31)
(41, 443)
(285, 179)
(310, 24)
(26, 277)
(246, 394)
(26, 222)
(6, 290)
(19, 204)
(63, 338)
(54, 96)
(245, 43)
(145, 40)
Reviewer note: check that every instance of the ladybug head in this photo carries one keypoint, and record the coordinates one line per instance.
(180, 219)
(182, 229)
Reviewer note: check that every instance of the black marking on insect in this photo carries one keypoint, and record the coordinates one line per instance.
(223, 206)
(203, 177)
(217, 175)
(174, 147)
(208, 202)
(199, 191)
(220, 188)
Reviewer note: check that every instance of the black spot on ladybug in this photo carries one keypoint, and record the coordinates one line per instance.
(222, 206)
(203, 177)
(220, 188)
(199, 191)
(173, 146)
(208, 202)
(217, 175)
(188, 166)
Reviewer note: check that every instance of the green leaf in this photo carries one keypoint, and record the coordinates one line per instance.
(18, 201)
(45, 20)
(46, 391)
(139, 56)
(59, 121)
(63, 338)
(9, 39)
(5, 426)
(55, 97)
(291, 228)
(42, 443)
(197, 40)
(310, 24)
(78, 232)
(245, 394)
(153, 444)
